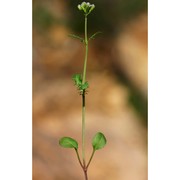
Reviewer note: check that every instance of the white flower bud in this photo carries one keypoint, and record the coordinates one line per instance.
(92, 7)
(83, 4)
(79, 7)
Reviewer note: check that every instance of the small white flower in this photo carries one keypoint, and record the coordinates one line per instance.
(86, 7)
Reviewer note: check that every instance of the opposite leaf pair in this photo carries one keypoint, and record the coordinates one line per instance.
(98, 142)
(93, 36)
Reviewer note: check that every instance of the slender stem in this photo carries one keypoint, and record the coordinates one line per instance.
(83, 166)
(85, 174)
(86, 54)
(79, 158)
(90, 159)
(83, 94)
(83, 128)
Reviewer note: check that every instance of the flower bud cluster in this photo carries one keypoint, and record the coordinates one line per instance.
(86, 7)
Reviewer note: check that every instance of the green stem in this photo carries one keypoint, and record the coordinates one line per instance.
(79, 158)
(86, 54)
(90, 159)
(83, 166)
(83, 128)
(83, 94)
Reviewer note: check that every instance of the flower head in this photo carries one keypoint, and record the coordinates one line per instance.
(86, 7)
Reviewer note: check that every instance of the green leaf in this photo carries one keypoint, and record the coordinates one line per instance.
(78, 82)
(68, 142)
(76, 37)
(84, 86)
(99, 141)
(94, 35)
(77, 79)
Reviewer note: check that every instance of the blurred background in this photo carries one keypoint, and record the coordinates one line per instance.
(117, 96)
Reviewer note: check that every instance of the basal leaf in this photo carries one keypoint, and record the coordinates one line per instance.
(68, 142)
(99, 141)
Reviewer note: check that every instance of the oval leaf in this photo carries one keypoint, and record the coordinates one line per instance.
(68, 142)
(99, 141)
